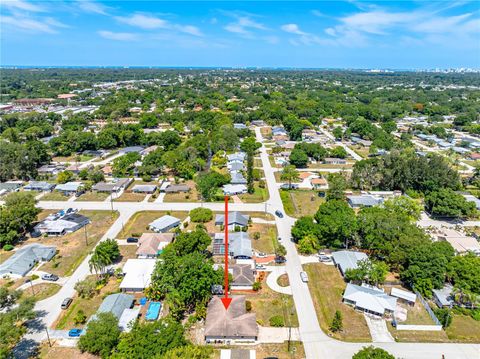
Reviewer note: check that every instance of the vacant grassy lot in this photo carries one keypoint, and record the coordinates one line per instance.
(326, 286)
(42, 290)
(127, 252)
(417, 336)
(54, 196)
(72, 248)
(259, 195)
(92, 196)
(266, 303)
(362, 151)
(139, 222)
(268, 237)
(4, 255)
(464, 329)
(298, 203)
(88, 305)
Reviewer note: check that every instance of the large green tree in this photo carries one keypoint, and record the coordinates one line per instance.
(445, 202)
(102, 335)
(336, 223)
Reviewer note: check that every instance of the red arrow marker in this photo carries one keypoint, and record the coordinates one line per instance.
(226, 301)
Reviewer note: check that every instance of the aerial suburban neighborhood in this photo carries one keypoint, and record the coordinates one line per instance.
(237, 212)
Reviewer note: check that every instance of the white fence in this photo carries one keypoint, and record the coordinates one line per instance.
(432, 328)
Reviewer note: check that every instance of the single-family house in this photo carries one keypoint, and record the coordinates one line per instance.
(137, 274)
(177, 188)
(234, 189)
(234, 219)
(229, 326)
(235, 166)
(164, 186)
(334, 161)
(357, 201)
(460, 242)
(115, 304)
(237, 156)
(39, 186)
(130, 149)
(12, 186)
(149, 150)
(237, 178)
(474, 156)
(443, 297)
(112, 187)
(319, 183)
(144, 188)
(243, 277)
(164, 223)
(58, 226)
(51, 169)
(107, 170)
(25, 259)
(152, 244)
(369, 299)
(345, 260)
(239, 126)
(239, 245)
(69, 188)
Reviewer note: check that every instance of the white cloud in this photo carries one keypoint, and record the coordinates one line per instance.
(28, 24)
(56, 23)
(244, 26)
(118, 36)
(189, 29)
(22, 5)
(440, 24)
(92, 7)
(144, 21)
(292, 29)
(318, 13)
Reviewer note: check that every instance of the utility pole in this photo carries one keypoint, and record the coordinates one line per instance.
(31, 285)
(86, 237)
(48, 337)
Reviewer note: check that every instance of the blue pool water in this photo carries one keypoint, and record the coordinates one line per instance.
(153, 311)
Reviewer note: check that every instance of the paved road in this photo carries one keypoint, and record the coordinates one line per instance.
(351, 152)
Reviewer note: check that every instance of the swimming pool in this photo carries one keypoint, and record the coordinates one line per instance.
(153, 311)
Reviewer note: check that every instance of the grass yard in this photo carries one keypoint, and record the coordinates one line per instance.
(127, 252)
(417, 335)
(71, 247)
(92, 196)
(259, 195)
(464, 329)
(346, 166)
(42, 291)
(139, 222)
(4, 255)
(326, 286)
(47, 352)
(130, 197)
(268, 237)
(54, 196)
(272, 350)
(360, 150)
(418, 315)
(88, 305)
(298, 203)
(266, 303)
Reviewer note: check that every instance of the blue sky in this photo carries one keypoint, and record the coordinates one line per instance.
(322, 34)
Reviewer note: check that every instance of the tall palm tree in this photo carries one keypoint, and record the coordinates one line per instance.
(290, 174)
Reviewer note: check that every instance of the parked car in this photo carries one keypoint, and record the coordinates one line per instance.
(74, 333)
(279, 239)
(50, 277)
(279, 213)
(66, 303)
(324, 258)
(260, 267)
(304, 277)
(132, 240)
(280, 259)
(79, 193)
(261, 255)
(35, 234)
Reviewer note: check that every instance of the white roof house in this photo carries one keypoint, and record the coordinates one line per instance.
(138, 273)
(364, 201)
(369, 299)
(144, 188)
(345, 260)
(164, 223)
(233, 189)
(128, 318)
(69, 187)
(473, 199)
(404, 294)
(25, 259)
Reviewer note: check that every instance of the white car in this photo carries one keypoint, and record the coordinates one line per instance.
(304, 277)
(261, 255)
(260, 267)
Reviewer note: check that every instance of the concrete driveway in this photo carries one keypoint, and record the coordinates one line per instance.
(275, 272)
(378, 329)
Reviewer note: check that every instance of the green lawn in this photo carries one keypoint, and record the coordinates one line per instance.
(298, 203)
(259, 195)
(326, 287)
(42, 291)
(92, 196)
(464, 329)
(54, 196)
(268, 237)
(130, 197)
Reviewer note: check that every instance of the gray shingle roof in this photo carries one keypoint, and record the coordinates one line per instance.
(25, 258)
(348, 259)
(234, 217)
(239, 244)
(116, 304)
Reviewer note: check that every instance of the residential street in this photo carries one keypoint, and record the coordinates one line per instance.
(316, 343)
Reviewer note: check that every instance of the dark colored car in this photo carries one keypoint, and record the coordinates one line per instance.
(79, 193)
(74, 333)
(50, 277)
(280, 259)
(132, 240)
(66, 303)
(35, 234)
(279, 213)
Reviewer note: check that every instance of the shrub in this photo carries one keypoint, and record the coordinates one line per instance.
(7, 247)
(248, 306)
(237, 229)
(146, 178)
(444, 315)
(201, 215)
(34, 276)
(80, 317)
(337, 322)
(86, 288)
(276, 321)
(257, 286)
(136, 234)
(256, 235)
